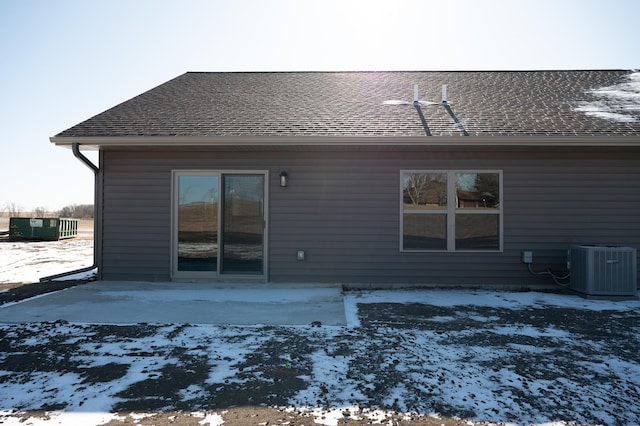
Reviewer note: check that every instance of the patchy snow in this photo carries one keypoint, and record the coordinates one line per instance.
(620, 102)
(485, 298)
(504, 357)
(481, 355)
(9, 418)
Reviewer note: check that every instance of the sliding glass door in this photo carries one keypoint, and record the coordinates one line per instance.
(243, 224)
(197, 214)
(219, 224)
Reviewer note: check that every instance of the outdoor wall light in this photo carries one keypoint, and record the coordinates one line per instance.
(284, 179)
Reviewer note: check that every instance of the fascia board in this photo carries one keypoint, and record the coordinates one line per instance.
(101, 142)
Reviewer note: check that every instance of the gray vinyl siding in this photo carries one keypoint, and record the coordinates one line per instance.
(342, 208)
(136, 218)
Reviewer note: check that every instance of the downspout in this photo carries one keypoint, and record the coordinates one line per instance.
(75, 147)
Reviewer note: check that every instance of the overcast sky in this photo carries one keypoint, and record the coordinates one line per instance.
(64, 61)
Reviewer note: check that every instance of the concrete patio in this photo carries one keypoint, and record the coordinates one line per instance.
(111, 302)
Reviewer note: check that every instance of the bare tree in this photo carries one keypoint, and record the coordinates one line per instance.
(40, 211)
(77, 211)
(425, 189)
(415, 186)
(13, 209)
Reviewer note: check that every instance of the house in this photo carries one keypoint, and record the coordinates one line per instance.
(361, 178)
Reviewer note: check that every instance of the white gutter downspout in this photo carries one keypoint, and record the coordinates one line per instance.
(75, 147)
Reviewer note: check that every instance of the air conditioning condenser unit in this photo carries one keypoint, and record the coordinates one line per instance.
(603, 270)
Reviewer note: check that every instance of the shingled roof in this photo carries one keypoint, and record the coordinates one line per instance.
(342, 104)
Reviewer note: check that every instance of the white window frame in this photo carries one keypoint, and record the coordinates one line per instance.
(451, 211)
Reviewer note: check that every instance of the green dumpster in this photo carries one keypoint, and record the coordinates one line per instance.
(42, 229)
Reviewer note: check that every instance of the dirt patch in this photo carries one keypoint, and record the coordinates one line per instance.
(406, 360)
(243, 416)
(525, 365)
(264, 416)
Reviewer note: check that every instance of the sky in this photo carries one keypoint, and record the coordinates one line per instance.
(64, 61)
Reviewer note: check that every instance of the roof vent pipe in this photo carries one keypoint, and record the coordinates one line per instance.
(75, 147)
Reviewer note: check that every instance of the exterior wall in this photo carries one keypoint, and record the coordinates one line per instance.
(342, 208)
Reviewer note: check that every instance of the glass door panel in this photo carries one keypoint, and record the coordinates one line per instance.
(198, 200)
(243, 224)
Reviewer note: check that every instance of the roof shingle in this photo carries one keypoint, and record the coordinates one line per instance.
(576, 103)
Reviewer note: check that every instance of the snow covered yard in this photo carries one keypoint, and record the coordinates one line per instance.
(427, 357)
(28, 261)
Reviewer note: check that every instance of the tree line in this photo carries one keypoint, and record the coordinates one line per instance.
(73, 211)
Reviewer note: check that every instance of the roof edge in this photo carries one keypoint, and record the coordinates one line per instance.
(101, 142)
(404, 70)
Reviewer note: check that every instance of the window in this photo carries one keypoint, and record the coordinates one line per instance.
(451, 211)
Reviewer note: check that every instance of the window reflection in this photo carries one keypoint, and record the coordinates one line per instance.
(424, 191)
(451, 210)
(243, 237)
(477, 232)
(477, 190)
(424, 232)
(198, 223)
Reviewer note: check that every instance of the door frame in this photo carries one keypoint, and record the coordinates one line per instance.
(217, 275)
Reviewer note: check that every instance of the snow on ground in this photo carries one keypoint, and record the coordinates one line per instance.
(520, 358)
(516, 358)
(28, 261)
